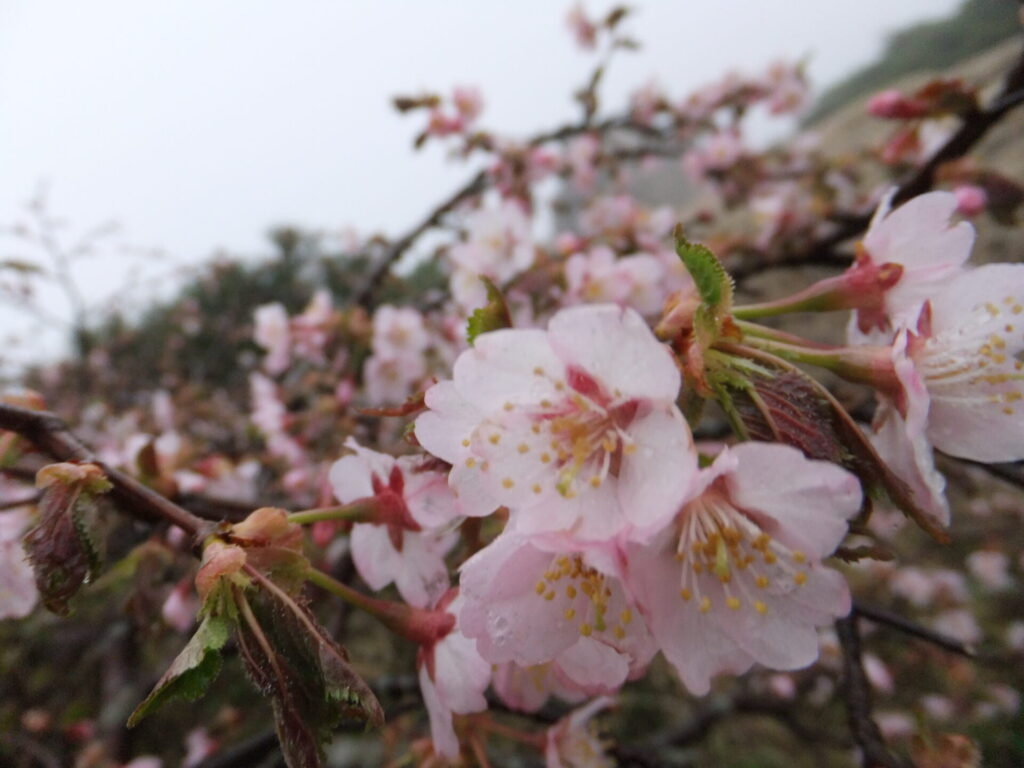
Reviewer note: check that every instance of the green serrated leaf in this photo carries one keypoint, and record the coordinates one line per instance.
(713, 283)
(493, 316)
(191, 673)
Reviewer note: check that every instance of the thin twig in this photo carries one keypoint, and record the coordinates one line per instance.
(912, 628)
(51, 436)
(856, 692)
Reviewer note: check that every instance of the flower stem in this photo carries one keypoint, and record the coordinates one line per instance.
(360, 510)
(421, 626)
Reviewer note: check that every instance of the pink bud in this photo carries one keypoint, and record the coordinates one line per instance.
(970, 199)
(894, 105)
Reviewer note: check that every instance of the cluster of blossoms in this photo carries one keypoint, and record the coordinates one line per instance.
(545, 509)
(615, 535)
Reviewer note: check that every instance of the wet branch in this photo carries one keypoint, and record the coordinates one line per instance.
(51, 435)
(856, 693)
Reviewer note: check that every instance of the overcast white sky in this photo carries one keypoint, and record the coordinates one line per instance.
(198, 124)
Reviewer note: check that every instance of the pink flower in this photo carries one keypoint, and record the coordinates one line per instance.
(893, 104)
(499, 246)
(990, 568)
(959, 624)
(537, 601)
(961, 372)
(573, 741)
(468, 101)
(18, 595)
(310, 328)
(971, 200)
(737, 578)
(918, 237)
(180, 608)
(398, 332)
(409, 550)
(584, 31)
(453, 679)
(574, 428)
(272, 334)
(785, 87)
(582, 154)
(909, 455)
(390, 380)
(636, 281)
(527, 689)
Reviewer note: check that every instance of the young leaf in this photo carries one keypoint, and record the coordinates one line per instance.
(191, 673)
(490, 317)
(290, 658)
(63, 547)
(713, 283)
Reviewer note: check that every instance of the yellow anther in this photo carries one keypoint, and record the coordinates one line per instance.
(536, 488)
(697, 567)
(540, 588)
(761, 581)
(545, 457)
(465, 442)
(800, 577)
(686, 594)
(626, 616)
(470, 462)
(523, 448)
(705, 604)
(485, 466)
(508, 406)
(535, 429)
(586, 630)
(721, 560)
(619, 631)
(538, 371)
(570, 592)
(549, 596)
(559, 385)
(629, 449)
(595, 481)
(733, 603)
(760, 607)
(495, 439)
(769, 557)
(508, 482)
(570, 614)
(799, 557)
(545, 403)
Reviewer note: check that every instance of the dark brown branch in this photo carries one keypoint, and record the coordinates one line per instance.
(51, 436)
(912, 628)
(856, 693)
(975, 125)
(477, 185)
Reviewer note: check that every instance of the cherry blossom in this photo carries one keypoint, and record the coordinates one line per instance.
(737, 578)
(917, 236)
(971, 199)
(961, 371)
(409, 548)
(398, 332)
(453, 678)
(272, 333)
(499, 246)
(637, 281)
(18, 595)
(573, 741)
(574, 428)
(527, 689)
(535, 601)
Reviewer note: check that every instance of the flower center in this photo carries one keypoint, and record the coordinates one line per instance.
(718, 541)
(586, 595)
(974, 363)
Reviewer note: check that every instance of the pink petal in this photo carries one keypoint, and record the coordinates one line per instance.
(616, 347)
(810, 501)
